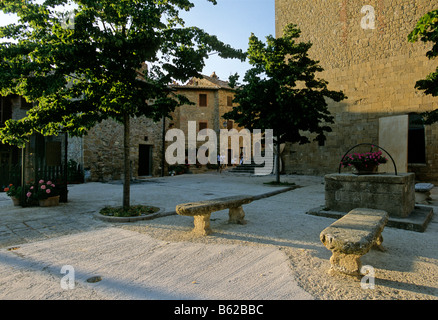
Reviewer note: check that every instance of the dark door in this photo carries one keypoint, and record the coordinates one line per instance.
(230, 156)
(144, 160)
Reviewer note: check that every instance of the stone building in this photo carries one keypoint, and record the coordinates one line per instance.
(212, 98)
(43, 156)
(102, 149)
(363, 48)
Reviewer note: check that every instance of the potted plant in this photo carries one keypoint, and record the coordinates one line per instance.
(365, 163)
(46, 192)
(14, 192)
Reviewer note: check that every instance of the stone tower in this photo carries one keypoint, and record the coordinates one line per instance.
(363, 48)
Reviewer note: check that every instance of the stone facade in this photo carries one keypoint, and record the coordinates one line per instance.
(103, 149)
(373, 63)
(208, 112)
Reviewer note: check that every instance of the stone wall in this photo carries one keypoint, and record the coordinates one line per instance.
(212, 113)
(217, 106)
(376, 68)
(394, 194)
(186, 113)
(103, 148)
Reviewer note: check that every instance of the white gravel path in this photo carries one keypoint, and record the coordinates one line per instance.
(276, 255)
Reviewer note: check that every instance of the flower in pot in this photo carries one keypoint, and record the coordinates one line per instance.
(14, 192)
(365, 163)
(44, 190)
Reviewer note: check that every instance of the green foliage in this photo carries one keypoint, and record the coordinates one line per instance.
(133, 211)
(178, 168)
(77, 76)
(43, 190)
(426, 30)
(13, 191)
(75, 174)
(281, 90)
(115, 60)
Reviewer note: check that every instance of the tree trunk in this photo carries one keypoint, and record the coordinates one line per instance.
(127, 164)
(278, 161)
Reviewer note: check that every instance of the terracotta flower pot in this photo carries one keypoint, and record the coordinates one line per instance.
(370, 169)
(15, 201)
(49, 202)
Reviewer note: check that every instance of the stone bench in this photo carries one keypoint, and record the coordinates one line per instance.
(422, 192)
(201, 211)
(352, 236)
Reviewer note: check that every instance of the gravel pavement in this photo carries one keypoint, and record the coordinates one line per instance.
(277, 255)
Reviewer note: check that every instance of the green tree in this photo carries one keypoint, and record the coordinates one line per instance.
(87, 66)
(281, 91)
(426, 30)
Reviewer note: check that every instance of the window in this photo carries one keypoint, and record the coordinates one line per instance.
(416, 140)
(202, 100)
(229, 101)
(5, 109)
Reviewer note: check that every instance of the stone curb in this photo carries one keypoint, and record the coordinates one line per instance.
(417, 221)
(130, 219)
(161, 213)
(273, 193)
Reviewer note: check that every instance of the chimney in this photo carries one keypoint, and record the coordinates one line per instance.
(214, 76)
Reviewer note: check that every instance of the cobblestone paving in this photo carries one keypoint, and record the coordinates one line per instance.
(12, 234)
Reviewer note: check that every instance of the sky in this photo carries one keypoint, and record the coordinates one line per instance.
(232, 21)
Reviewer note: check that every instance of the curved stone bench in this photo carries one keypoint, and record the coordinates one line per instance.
(201, 211)
(352, 236)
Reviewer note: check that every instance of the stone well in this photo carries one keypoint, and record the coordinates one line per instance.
(394, 194)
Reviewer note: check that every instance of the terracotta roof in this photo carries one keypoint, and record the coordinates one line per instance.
(216, 83)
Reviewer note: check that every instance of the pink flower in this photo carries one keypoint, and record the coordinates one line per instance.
(49, 182)
(48, 191)
(41, 181)
(31, 188)
(43, 187)
(53, 185)
(28, 194)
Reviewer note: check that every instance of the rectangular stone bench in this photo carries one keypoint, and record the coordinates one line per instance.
(201, 211)
(352, 236)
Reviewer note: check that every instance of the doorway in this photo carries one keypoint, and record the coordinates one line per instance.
(230, 157)
(145, 160)
(416, 140)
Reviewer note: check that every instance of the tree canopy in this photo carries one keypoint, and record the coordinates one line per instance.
(281, 90)
(426, 30)
(104, 59)
(81, 74)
